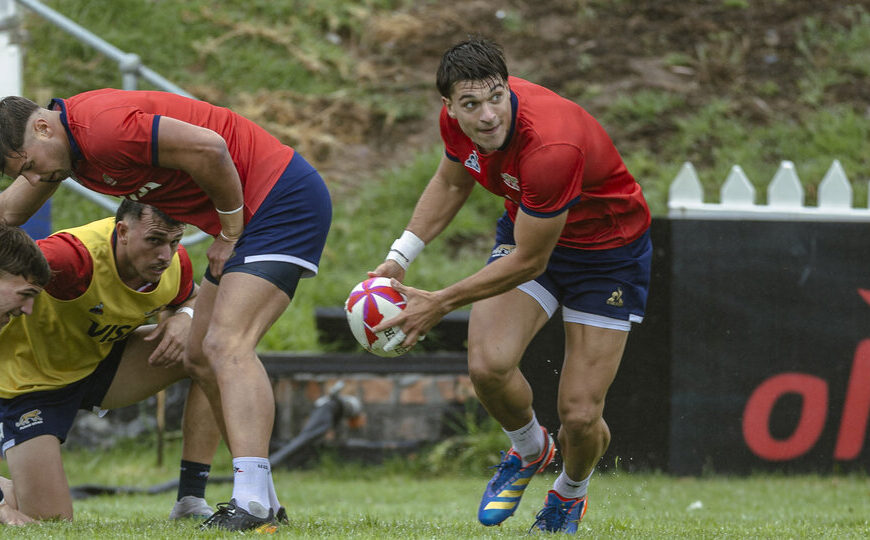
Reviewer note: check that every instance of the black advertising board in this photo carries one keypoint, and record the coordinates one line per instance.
(754, 354)
(770, 337)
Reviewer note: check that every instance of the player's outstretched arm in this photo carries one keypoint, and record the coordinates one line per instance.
(22, 199)
(535, 237)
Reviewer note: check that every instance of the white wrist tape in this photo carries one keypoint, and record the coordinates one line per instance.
(185, 309)
(230, 212)
(405, 249)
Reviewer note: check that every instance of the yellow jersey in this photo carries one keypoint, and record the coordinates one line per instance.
(62, 341)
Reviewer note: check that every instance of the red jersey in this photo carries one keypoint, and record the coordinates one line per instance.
(113, 138)
(72, 268)
(556, 157)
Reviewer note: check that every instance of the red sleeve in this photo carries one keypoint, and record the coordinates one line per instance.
(185, 286)
(552, 179)
(71, 266)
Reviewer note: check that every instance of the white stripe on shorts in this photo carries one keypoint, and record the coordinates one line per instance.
(541, 295)
(277, 257)
(7, 445)
(590, 319)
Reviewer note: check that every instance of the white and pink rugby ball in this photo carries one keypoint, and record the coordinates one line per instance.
(369, 303)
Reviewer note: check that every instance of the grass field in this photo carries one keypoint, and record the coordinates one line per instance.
(396, 500)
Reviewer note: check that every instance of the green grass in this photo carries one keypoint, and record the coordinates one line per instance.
(398, 500)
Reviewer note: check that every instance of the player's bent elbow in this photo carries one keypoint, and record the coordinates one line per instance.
(531, 268)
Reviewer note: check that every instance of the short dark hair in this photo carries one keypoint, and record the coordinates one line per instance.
(476, 59)
(20, 256)
(135, 210)
(15, 111)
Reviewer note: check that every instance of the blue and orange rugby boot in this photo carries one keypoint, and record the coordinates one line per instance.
(504, 491)
(559, 515)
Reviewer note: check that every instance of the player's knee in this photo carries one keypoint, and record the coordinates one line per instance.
(580, 420)
(487, 366)
(222, 348)
(484, 374)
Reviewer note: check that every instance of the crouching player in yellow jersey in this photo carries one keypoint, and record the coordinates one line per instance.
(23, 273)
(86, 346)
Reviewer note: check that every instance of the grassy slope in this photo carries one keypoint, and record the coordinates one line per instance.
(296, 66)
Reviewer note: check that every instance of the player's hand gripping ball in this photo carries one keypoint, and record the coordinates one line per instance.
(369, 303)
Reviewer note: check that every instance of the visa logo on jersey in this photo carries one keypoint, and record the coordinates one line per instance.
(110, 332)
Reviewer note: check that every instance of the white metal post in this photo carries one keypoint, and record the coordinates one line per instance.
(10, 52)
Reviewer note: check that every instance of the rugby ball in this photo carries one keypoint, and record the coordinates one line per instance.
(369, 303)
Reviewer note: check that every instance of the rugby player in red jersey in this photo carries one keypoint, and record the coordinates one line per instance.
(267, 208)
(574, 234)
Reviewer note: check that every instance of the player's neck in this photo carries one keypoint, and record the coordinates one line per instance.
(128, 274)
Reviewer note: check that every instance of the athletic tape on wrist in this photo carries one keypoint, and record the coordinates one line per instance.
(405, 249)
(230, 212)
(185, 309)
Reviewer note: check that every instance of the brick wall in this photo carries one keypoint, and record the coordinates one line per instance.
(402, 407)
(404, 401)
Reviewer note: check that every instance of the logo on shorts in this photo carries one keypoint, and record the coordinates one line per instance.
(29, 419)
(97, 310)
(473, 162)
(502, 249)
(510, 181)
(615, 298)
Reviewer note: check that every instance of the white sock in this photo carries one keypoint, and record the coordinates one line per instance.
(251, 479)
(273, 497)
(571, 489)
(528, 441)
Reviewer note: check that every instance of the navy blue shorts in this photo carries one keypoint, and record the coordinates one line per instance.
(606, 288)
(51, 412)
(289, 227)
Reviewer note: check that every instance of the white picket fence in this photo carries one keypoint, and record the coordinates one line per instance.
(785, 197)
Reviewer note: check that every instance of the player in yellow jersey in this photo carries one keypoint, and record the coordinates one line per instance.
(23, 273)
(85, 345)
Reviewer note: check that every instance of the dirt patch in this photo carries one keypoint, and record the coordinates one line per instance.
(696, 50)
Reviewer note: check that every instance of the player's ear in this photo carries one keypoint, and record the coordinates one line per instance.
(449, 104)
(122, 232)
(41, 127)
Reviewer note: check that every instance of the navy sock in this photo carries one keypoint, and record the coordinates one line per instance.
(192, 479)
